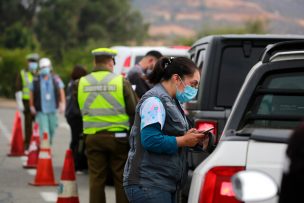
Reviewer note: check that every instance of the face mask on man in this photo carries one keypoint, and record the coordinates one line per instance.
(33, 66)
(45, 71)
(186, 95)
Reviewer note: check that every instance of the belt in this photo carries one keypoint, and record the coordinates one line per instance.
(112, 134)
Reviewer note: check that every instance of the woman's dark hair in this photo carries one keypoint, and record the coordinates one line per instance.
(166, 67)
(78, 72)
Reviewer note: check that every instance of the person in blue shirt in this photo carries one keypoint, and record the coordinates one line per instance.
(46, 96)
(156, 166)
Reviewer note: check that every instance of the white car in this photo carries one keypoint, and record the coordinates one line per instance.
(127, 57)
(269, 106)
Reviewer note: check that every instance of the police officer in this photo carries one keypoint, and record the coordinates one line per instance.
(23, 81)
(107, 103)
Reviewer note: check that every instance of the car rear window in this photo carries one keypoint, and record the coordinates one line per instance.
(278, 102)
(235, 64)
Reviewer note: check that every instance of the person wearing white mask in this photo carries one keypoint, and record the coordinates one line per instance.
(46, 96)
(22, 94)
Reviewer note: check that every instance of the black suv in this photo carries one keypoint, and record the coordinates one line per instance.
(224, 62)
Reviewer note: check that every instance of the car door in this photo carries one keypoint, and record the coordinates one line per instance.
(276, 108)
(267, 157)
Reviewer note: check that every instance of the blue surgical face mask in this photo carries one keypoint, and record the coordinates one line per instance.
(33, 66)
(45, 71)
(186, 95)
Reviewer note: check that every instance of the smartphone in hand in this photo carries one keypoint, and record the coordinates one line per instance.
(205, 131)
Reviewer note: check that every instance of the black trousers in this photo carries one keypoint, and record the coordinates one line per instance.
(28, 123)
(77, 143)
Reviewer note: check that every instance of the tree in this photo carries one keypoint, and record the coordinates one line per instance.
(17, 36)
(56, 26)
(17, 18)
(110, 21)
(68, 24)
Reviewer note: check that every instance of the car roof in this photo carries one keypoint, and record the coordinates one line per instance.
(247, 36)
(142, 50)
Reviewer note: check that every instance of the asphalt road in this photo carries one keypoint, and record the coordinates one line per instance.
(14, 179)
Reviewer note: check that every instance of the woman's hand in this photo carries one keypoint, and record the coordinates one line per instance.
(190, 138)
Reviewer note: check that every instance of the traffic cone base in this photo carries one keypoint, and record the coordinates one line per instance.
(44, 184)
(15, 154)
(32, 158)
(67, 192)
(70, 200)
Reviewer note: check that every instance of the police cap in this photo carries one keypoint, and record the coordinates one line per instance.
(104, 52)
(32, 57)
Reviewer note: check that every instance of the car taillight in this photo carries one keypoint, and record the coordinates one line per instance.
(127, 62)
(205, 125)
(217, 186)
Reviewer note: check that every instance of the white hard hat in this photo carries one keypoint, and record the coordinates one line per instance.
(45, 62)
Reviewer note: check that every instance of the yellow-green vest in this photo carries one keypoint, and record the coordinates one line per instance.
(101, 101)
(27, 79)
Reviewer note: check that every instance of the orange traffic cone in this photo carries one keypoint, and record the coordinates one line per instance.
(35, 135)
(45, 173)
(45, 144)
(32, 157)
(17, 145)
(67, 189)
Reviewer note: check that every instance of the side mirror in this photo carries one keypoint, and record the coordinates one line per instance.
(253, 186)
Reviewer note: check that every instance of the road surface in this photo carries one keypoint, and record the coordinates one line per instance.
(14, 179)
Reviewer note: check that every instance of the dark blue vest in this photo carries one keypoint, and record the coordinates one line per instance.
(146, 168)
(37, 92)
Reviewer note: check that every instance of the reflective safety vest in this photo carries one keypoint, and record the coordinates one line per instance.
(27, 79)
(101, 101)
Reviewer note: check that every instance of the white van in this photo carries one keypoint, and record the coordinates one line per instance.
(127, 57)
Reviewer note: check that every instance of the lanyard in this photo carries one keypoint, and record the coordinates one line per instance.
(48, 85)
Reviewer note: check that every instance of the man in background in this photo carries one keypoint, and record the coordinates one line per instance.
(138, 74)
(23, 81)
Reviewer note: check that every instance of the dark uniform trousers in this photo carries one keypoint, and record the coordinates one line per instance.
(28, 121)
(105, 151)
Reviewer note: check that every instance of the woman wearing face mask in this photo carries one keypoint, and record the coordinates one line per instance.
(156, 165)
(47, 94)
